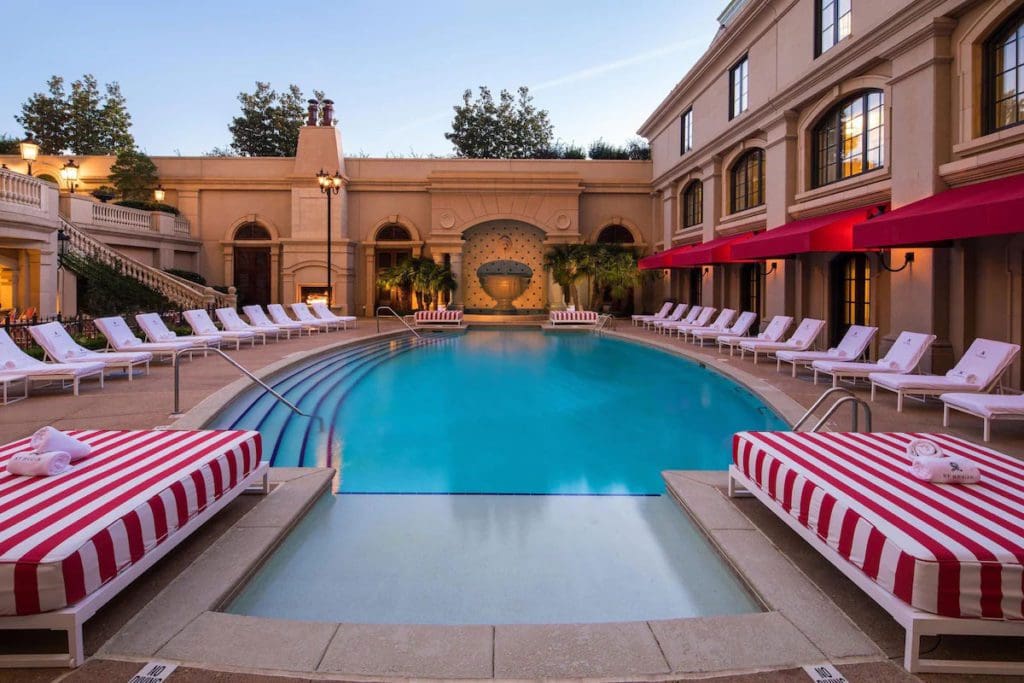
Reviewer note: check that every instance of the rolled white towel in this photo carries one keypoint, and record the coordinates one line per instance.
(945, 470)
(39, 464)
(50, 439)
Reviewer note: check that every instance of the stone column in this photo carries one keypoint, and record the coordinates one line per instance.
(712, 194)
(370, 287)
(275, 273)
(780, 189)
(457, 272)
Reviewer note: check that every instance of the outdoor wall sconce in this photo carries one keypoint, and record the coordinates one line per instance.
(69, 173)
(159, 194)
(29, 148)
(774, 267)
(705, 271)
(908, 259)
(877, 211)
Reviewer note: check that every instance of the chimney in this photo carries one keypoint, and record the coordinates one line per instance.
(328, 113)
(311, 112)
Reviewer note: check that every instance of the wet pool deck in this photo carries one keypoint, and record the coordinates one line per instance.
(813, 614)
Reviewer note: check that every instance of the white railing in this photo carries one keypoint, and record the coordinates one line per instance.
(122, 217)
(178, 290)
(17, 188)
(181, 226)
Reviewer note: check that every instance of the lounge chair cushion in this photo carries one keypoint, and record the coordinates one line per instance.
(954, 550)
(980, 367)
(65, 536)
(987, 405)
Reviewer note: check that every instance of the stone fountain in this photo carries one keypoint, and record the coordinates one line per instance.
(504, 280)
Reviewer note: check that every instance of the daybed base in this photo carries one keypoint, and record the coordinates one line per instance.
(71, 619)
(915, 622)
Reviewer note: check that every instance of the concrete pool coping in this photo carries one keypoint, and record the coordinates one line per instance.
(800, 625)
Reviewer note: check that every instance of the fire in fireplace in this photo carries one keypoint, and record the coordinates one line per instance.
(315, 294)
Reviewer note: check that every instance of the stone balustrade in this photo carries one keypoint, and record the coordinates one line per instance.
(88, 214)
(181, 226)
(122, 217)
(17, 188)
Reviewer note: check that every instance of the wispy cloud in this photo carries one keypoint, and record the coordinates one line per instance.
(574, 77)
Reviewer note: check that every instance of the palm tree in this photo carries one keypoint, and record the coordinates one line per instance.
(444, 282)
(398, 278)
(564, 263)
(615, 272)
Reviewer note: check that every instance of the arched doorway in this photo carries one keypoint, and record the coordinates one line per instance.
(850, 294)
(392, 249)
(605, 299)
(252, 265)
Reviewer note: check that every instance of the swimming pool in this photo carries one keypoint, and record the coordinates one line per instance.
(499, 476)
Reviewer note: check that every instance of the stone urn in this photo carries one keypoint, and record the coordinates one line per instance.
(504, 281)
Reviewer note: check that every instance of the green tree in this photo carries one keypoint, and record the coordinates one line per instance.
(615, 272)
(85, 120)
(9, 144)
(133, 174)
(269, 123)
(512, 128)
(568, 264)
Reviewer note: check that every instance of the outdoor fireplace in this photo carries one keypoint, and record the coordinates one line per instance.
(312, 294)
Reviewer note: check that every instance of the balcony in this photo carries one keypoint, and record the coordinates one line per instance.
(111, 218)
(26, 201)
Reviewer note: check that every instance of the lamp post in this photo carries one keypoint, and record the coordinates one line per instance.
(329, 184)
(159, 194)
(29, 148)
(62, 246)
(69, 172)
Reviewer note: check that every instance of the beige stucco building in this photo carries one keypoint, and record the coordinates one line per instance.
(808, 108)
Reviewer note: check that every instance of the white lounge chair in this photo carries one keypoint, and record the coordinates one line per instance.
(157, 332)
(640, 318)
(322, 311)
(903, 356)
(851, 347)
(9, 378)
(121, 338)
(659, 325)
(738, 329)
(986, 406)
(280, 317)
(14, 361)
(676, 315)
(776, 327)
(258, 318)
(721, 324)
(230, 321)
(978, 371)
(806, 332)
(304, 315)
(201, 323)
(60, 347)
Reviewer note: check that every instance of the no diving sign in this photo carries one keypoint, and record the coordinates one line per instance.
(824, 673)
(154, 672)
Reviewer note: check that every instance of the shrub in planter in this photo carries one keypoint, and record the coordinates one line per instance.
(189, 275)
(146, 205)
(104, 193)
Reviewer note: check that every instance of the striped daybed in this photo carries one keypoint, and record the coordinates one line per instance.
(573, 318)
(428, 318)
(940, 558)
(70, 543)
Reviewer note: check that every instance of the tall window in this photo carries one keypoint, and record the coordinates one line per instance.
(251, 231)
(849, 139)
(750, 287)
(832, 22)
(686, 128)
(393, 233)
(615, 234)
(738, 82)
(696, 286)
(851, 293)
(747, 187)
(1004, 81)
(693, 204)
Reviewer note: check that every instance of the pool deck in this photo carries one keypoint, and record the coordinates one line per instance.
(812, 613)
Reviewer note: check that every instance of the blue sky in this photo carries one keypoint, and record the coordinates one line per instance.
(394, 69)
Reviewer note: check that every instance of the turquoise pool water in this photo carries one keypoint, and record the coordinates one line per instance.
(498, 476)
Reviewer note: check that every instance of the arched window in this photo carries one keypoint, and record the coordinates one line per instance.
(849, 139)
(615, 234)
(747, 187)
(251, 231)
(393, 233)
(693, 204)
(1004, 84)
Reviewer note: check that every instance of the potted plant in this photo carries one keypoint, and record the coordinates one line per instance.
(104, 193)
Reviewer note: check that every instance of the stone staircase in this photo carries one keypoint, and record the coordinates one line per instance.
(177, 290)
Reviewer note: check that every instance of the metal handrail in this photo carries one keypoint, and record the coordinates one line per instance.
(177, 380)
(602, 320)
(821, 399)
(855, 404)
(394, 313)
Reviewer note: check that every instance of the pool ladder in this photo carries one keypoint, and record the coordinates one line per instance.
(848, 397)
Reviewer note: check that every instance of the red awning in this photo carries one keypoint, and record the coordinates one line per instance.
(662, 258)
(716, 251)
(995, 207)
(831, 232)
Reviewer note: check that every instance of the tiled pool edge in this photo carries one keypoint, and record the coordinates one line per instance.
(801, 627)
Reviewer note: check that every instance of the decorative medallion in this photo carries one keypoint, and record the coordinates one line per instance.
(447, 220)
(562, 222)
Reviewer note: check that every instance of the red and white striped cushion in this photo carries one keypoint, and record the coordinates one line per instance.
(573, 316)
(63, 537)
(954, 550)
(438, 316)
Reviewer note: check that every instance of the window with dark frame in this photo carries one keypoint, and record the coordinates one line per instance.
(686, 131)
(393, 233)
(693, 204)
(747, 187)
(615, 234)
(833, 22)
(851, 294)
(696, 286)
(1003, 88)
(738, 87)
(850, 139)
(751, 276)
(251, 231)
